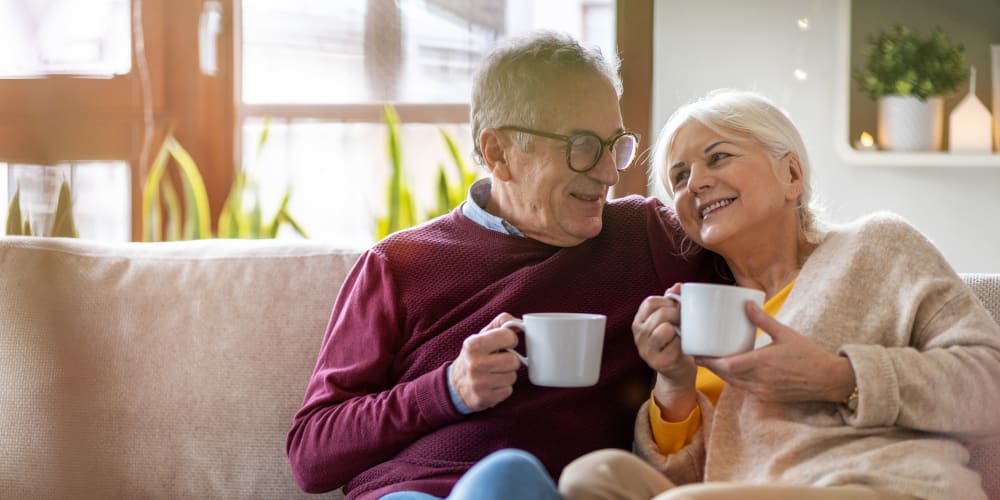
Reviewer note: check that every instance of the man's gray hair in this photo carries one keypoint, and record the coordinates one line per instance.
(522, 71)
(741, 114)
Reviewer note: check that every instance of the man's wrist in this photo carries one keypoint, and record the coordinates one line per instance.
(456, 399)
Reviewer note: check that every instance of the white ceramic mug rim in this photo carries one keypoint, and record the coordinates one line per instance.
(563, 316)
(717, 285)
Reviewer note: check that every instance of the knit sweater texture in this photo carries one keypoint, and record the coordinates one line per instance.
(926, 356)
(377, 416)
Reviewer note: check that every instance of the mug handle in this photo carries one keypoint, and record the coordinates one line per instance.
(676, 298)
(519, 325)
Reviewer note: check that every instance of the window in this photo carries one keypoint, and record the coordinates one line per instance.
(94, 87)
(100, 192)
(319, 71)
(60, 72)
(65, 37)
(91, 88)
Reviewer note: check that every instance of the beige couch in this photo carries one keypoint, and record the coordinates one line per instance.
(165, 370)
(172, 370)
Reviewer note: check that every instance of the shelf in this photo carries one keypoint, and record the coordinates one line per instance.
(852, 156)
(841, 129)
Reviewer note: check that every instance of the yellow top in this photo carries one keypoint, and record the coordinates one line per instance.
(672, 436)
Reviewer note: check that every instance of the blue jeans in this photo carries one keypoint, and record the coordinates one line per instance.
(502, 475)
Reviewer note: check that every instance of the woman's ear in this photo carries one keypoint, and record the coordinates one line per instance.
(493, 143)
(793, 173)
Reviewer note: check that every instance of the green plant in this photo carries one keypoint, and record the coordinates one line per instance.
(195, 223)
(901, 62)
(19, 223)
(402, 208)
(191, 220)
(451, 194)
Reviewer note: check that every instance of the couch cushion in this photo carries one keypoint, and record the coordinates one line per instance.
(157, 370)
(172, 370)
(986, 456)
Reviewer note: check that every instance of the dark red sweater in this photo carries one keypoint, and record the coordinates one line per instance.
(377, 416)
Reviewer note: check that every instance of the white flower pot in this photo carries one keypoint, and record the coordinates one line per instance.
(906, 123)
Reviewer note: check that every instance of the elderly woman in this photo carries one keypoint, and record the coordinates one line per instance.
(880, 362)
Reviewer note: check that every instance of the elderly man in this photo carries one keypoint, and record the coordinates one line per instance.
(413, 385)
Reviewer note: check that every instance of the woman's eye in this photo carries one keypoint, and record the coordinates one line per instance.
(717, 157)
(680, 177)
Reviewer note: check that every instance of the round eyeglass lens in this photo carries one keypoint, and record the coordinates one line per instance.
(624, 151)
(584, 151)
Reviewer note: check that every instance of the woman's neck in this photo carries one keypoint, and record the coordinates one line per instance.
(768, 262)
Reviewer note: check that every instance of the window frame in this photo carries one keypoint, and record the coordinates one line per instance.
(61, 118)
(636, 71)
(65, 118)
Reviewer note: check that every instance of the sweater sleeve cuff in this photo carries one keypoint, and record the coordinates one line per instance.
(879, 401)
(670, 437)
(432, 397)
(683, 467)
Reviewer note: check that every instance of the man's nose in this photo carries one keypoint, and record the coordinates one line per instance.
(605, 171)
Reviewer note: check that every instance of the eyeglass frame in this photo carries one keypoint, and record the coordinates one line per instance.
(568, 139)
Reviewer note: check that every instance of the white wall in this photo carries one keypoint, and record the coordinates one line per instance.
(699, 46)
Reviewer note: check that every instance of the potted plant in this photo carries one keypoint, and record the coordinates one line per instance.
(63, 225)
(909, 75)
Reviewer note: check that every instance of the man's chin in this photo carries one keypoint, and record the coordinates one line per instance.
(589, 228)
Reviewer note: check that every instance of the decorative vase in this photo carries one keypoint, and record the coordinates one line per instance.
(905, 123)
(970, 123)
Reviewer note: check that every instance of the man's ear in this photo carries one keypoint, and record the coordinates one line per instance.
(493, 143)
(793, 173)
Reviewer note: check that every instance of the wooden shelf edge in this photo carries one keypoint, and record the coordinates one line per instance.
(854, 157)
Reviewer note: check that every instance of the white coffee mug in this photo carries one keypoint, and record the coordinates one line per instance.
(714, 321)
(563, 349)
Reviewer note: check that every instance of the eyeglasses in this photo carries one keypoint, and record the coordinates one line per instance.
(584, 149)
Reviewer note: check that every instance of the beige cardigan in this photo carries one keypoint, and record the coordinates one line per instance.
(927, 359)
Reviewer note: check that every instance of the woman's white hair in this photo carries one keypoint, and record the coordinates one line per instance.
(522, 71)
(741, 114)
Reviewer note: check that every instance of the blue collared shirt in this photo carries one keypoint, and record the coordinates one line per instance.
(473, 208)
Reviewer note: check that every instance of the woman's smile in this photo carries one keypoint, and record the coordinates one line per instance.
(715, 206)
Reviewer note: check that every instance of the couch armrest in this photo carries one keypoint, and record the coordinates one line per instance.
(157, 370)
